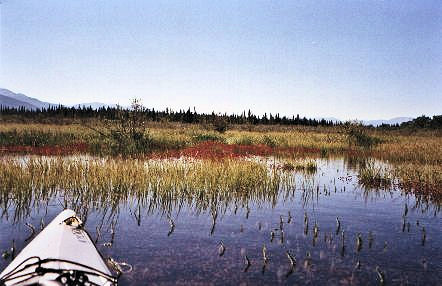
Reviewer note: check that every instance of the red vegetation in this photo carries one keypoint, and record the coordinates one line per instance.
(204, 150)
(46, 150)
(216, 150)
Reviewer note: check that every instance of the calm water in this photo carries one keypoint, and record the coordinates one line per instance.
(189, 253)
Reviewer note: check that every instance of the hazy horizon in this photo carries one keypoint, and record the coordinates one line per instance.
(349, 60)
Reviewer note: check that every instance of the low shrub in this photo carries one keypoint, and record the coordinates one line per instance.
(357, 136)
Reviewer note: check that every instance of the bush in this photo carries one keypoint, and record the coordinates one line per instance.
(220, 124)
(128, 132)
(357, 136)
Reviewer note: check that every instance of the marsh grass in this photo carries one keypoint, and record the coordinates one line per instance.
(308, 166)
(422, 179)
(417, 155)
(375, 175)
(173, 137)
(394, 147)
(35, 138)
(208, 136)
(110, 182)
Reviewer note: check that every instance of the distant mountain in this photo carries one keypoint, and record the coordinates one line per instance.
(22, 100)
(11, 102)
(393, 121)
(12, 99)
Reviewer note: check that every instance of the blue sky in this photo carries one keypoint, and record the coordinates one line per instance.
(347, 59)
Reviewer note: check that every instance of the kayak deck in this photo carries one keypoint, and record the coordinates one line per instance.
(62, 246)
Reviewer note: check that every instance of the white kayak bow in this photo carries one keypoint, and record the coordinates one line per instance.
(62, 254)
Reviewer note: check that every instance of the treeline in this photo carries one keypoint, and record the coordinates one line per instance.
(182, 116)
(189, 116)
(421, 122)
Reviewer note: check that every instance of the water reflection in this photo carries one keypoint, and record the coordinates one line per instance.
(318, 228)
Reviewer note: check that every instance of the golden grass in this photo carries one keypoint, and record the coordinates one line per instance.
(186, 135)
(109, 182)
(424, 179)
(411, 149)
(424, 147)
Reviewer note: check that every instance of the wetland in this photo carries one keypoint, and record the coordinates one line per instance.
(254, 220)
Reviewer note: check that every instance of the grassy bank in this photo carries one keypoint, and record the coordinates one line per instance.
(170, 137)
(394, 147)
